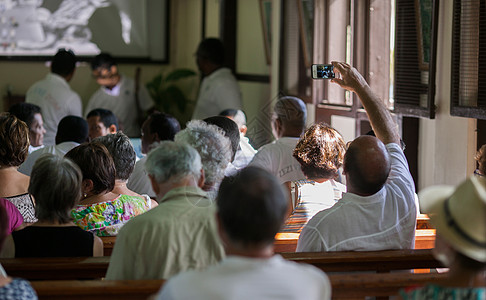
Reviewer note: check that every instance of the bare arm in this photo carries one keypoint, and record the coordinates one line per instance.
(380, 117)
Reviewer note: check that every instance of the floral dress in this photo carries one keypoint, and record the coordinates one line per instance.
(106, 218)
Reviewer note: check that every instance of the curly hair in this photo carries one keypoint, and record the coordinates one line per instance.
(480, 157)
(14, 140)
(211, 144)
(320, 152)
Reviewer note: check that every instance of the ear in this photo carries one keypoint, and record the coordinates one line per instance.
(243, 130)
(202, 179)
(155, 137)
(155, 185)
(112, 128)
(114, 70)
(87, 186)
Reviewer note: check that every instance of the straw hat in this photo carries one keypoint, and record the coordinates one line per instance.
(459, 215)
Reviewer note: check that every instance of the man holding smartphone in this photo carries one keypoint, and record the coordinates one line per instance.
(378, 212)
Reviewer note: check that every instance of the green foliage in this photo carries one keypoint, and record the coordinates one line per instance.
(167, 95)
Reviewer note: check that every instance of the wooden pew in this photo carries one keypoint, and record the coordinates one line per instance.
(108, 244)
(96, 289)
(380, 261)
(95, 267)
(48, 268)
(349, 286)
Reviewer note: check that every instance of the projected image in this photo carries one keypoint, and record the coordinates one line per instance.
(36, 27)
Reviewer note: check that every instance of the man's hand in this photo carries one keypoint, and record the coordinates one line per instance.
(351, 79)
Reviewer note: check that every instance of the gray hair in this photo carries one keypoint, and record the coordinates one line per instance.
(122, 152)
(213, 147)
(171, 161)
(55, 184)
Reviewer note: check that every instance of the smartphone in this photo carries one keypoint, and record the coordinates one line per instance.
(322, 71)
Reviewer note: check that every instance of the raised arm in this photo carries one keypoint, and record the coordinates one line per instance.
(380, 117)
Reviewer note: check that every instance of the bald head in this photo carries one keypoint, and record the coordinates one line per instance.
(366, 165)
(291, 115)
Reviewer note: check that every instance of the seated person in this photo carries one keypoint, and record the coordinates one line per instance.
(14, 145)
(320, 152)
(102, 211)
(213, 147)
(123, 154)
(251, 208)
(245, 152)
(378, 212)
(158, 127)
(179, 234)
(101, 122)
(56, 186)
(31, 115)
(12, 288)
(480, 158)
(459, 216)
(288, 124)
(14, 216)
(71, 132)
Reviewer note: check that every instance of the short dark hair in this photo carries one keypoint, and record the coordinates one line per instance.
(211, 49)
(103, 60)
(165, 125)
(230, 129)
(121, 151)
(55, 183)
(320, 152)
(25, 111)
(14, 140)
(63, 63)
(96, 164)
(252, 207)
(72, 129)
(107, 117)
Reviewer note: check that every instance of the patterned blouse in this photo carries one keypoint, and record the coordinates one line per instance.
(17, 289)
(106, 218)
(435, 292)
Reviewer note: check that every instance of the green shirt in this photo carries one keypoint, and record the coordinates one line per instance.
(178, 235)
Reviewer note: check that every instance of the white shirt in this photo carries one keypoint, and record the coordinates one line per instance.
(139, 182)
(243, 157)
(56, 100)
(59, 150)
(277, 158)
(121, 101)
(218, 91)
(238, 277)
(385, 220)
(178, 235)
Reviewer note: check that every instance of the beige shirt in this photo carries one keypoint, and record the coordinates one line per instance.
(178, 235)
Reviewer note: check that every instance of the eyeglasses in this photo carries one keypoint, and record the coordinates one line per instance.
(478, 173)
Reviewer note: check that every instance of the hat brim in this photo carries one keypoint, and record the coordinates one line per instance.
(432, 203)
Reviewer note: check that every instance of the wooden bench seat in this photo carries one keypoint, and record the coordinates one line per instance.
(349, 286)
(96, 267)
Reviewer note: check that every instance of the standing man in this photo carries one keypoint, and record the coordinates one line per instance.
(219, 89)
(118, 94)
(54, 96)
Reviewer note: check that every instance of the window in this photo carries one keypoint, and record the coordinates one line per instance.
(468, 95)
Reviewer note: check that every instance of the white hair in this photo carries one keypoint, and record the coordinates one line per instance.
(213, 147)
(171, 161)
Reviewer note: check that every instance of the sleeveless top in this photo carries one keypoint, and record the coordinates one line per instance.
(17, 289)
(106, 218)
(55, 241)
(25, 205)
